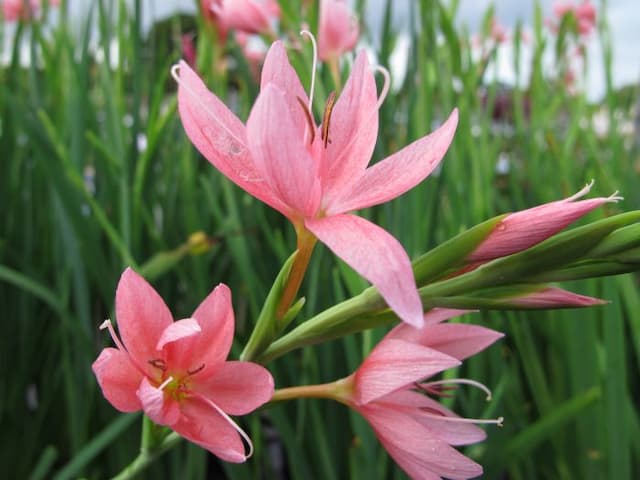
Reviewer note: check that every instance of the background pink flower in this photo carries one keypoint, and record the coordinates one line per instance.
(338, 29)
(177, 372)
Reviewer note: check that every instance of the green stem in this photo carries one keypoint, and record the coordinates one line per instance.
(340, 391)
(306, 242)
(154, 443)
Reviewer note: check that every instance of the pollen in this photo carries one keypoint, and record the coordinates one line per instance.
(326, 119)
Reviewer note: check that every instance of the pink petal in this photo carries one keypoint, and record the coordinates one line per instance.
(209, 349)
(277, 141)
(422, 409)
(118, 378)
(277, 71)
(238, 387)
(400, 172)
(526, 228)
(142, 316)
(202, 424)
(414, 449)
(160, 408)
(375, 255)
(219, 135)
(353, 129)
(177, 331)
(458, 340)
(394, 364)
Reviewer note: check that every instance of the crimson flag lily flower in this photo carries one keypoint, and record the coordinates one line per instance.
(526, 228)
(176, 372)
(317, 175)
(337, 31)
(390, 391)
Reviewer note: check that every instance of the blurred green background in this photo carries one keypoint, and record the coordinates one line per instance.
(97, 174)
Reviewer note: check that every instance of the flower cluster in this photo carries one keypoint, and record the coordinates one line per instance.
(317, 175)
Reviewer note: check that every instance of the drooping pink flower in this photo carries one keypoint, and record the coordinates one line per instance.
(526, 228)
(177, 372)
(338, 29)
(390, 390)
(317, 175)
(249, 16)
(13, 10)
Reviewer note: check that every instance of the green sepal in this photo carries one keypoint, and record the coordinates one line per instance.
(450, 255)
(621, 240)
(267, 326)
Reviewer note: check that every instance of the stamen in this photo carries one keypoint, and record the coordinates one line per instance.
(385, 87)
(165, 383)
(308, 34)
(158, 363)
(614, 197)
(464, 381)
(326, 119)
(109, 326)
(445, 418)
(436, 390)
(231, 422)
(193, 372)
(310, 124)
(582, 192)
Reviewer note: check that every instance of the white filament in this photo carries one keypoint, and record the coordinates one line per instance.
(309, 35)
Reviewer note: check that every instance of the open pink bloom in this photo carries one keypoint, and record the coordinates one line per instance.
(249, 16)
(176, 372)
(316, 175)
(13, 10)
(338, 29)
(526, 228)
(390, 391)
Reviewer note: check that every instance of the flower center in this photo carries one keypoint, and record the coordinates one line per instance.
(176, 386)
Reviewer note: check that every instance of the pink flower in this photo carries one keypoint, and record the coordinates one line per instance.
(13, 10)
(249, 16)
(524, 229)
(585, 14)
(389, 390)
(338, 29)
(316, 175)
(499, 33)
(176, 372)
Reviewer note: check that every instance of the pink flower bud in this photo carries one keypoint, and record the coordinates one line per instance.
(553, 297)
(521, 230)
